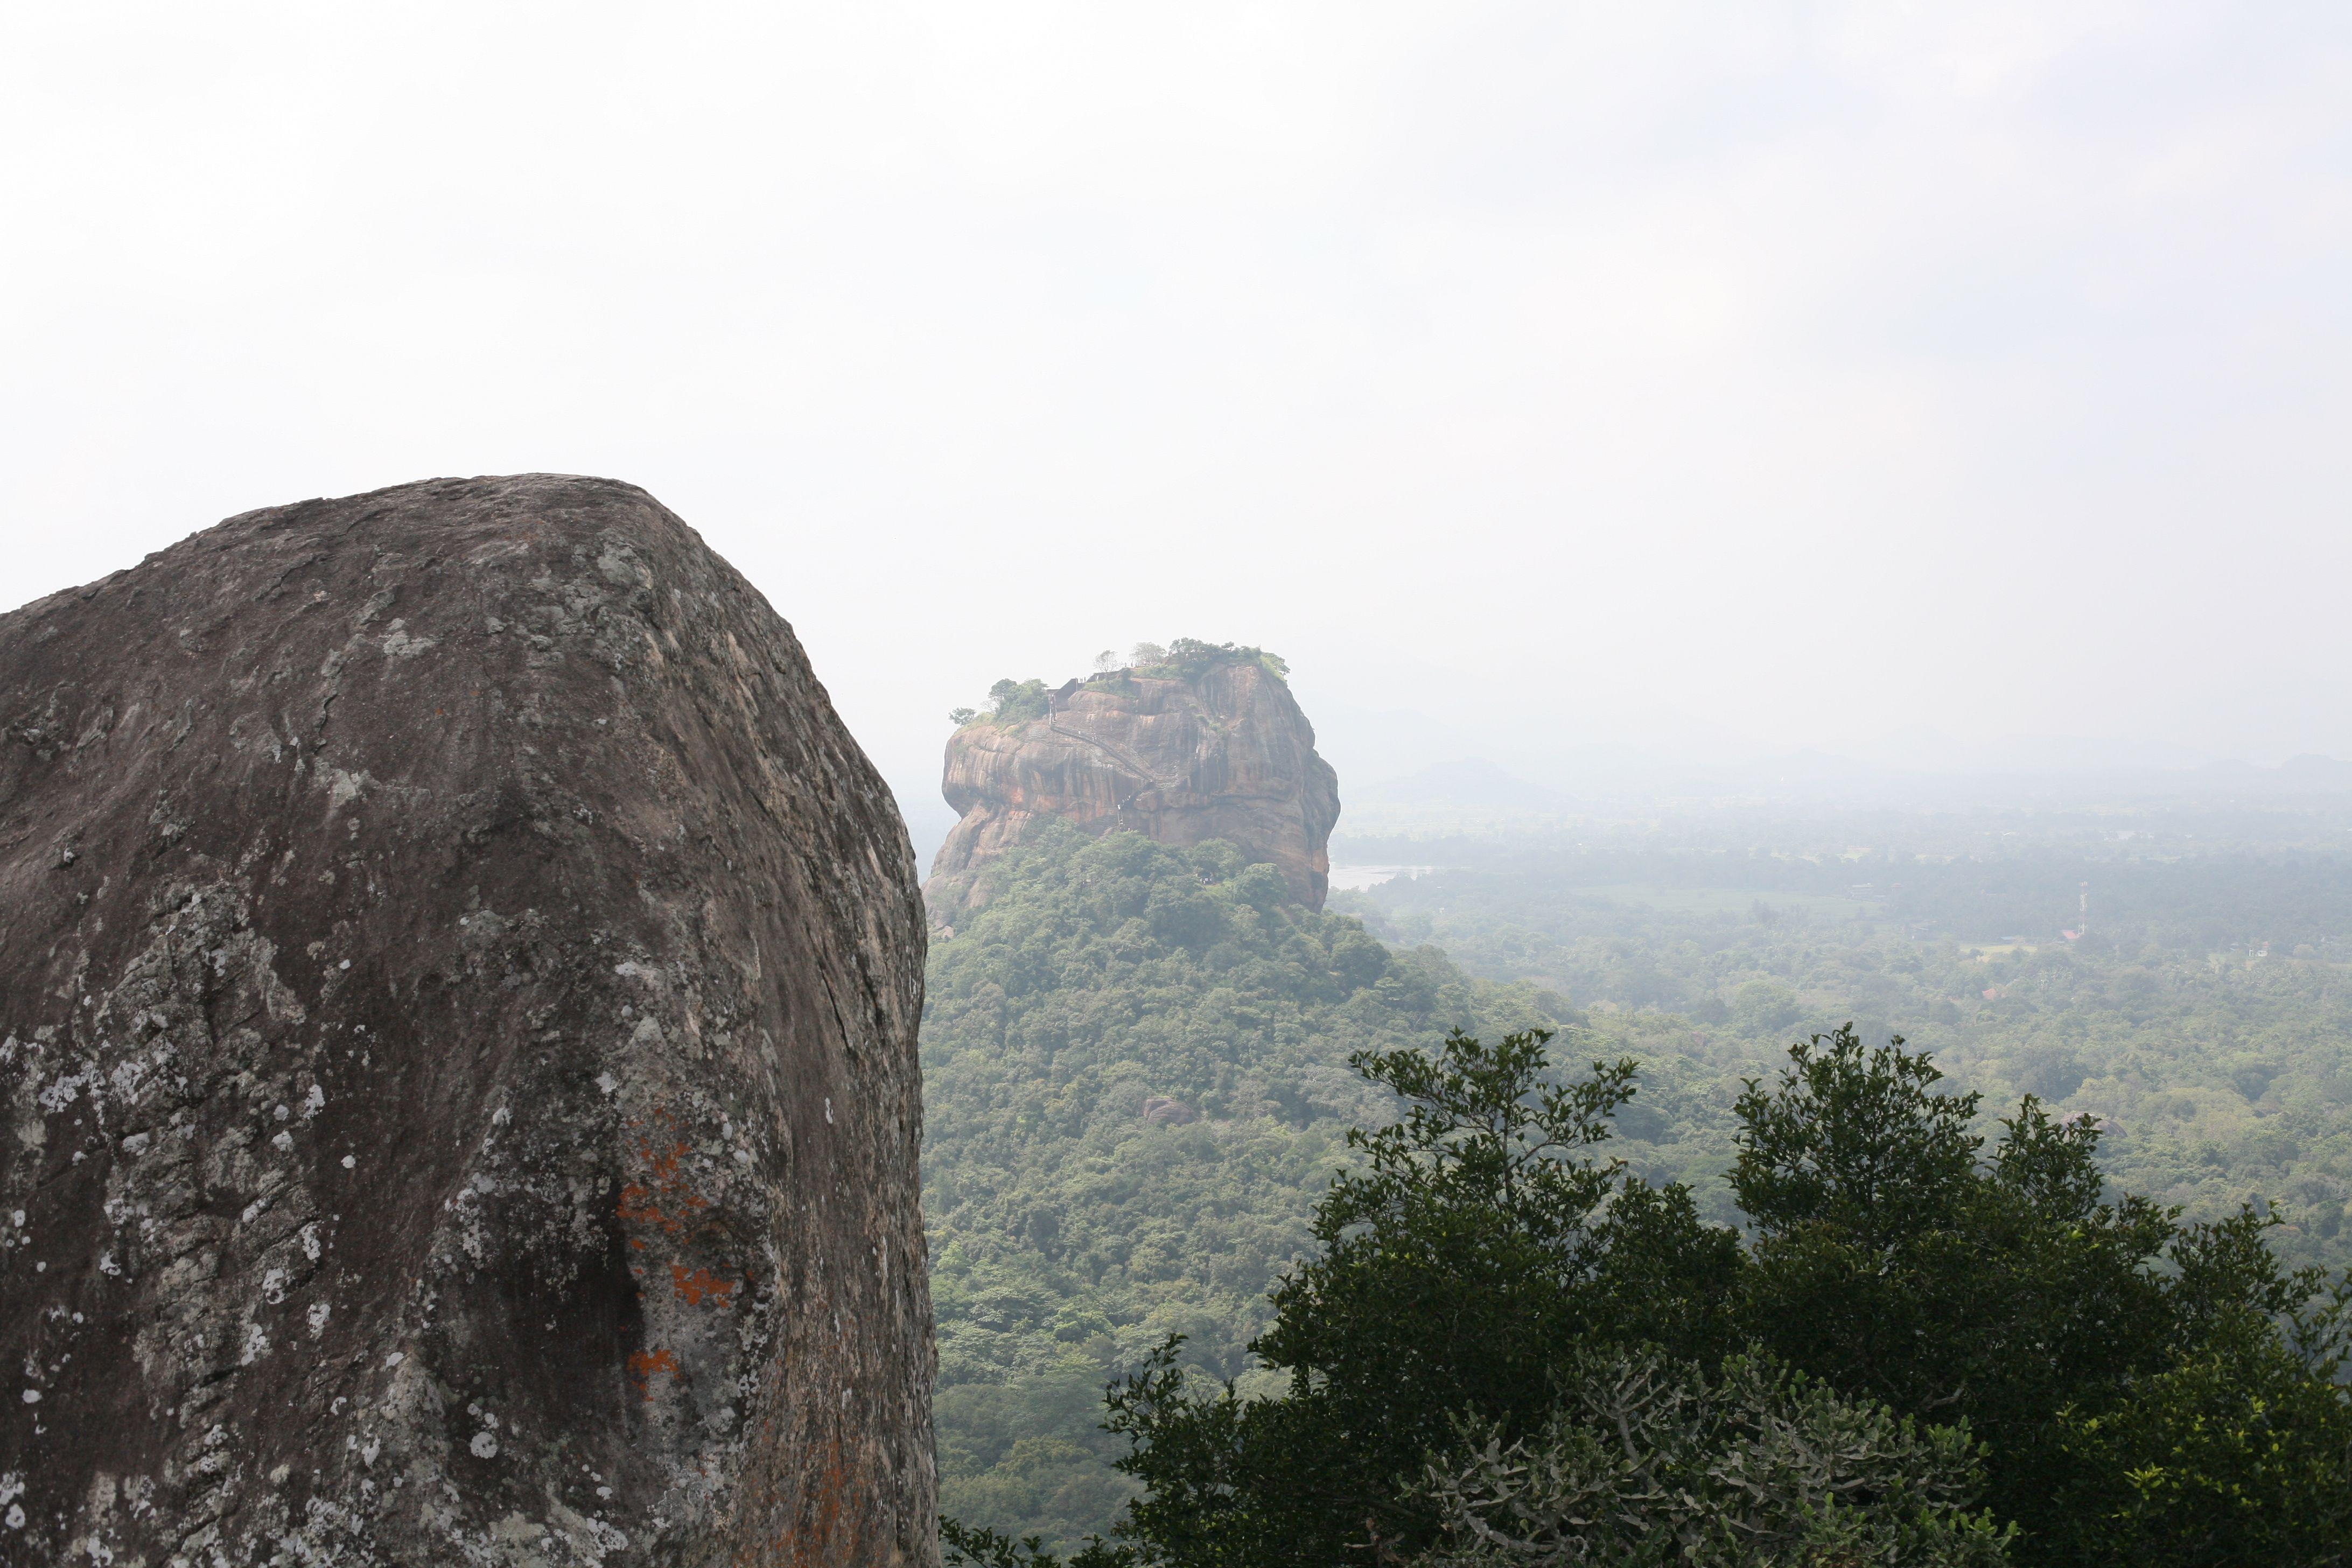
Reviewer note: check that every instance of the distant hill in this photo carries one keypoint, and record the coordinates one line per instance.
(2316, 773)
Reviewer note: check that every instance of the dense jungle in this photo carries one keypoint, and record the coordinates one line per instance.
(1139, 1085)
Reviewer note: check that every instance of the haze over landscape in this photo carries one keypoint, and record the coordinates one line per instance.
(1939, 388)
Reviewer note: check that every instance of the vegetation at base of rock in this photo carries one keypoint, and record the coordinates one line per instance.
(1137, 1081)
(2214, 1080)
(1496, 1312)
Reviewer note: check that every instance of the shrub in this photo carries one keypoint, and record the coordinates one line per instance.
(1646, 1463)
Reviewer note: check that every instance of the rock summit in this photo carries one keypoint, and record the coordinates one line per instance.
(1207, 745)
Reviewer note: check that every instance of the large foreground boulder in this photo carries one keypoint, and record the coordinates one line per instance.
(458, 982)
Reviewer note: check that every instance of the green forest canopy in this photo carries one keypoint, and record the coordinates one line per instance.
(1076, 1221)
(1136, 1081)
(1924, 1346)
(2220, 1074)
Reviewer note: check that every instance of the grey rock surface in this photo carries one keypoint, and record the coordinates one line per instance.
(1224, 754)
(458, 984)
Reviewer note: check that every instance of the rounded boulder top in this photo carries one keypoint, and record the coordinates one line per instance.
(458, 985)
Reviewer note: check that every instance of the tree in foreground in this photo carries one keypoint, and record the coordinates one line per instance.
(1497, 1357)
(2238, 1451)
(1645, 1462)
(1894, 1260)
(1481, 1243)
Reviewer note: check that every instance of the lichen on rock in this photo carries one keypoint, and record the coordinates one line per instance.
(459, 983)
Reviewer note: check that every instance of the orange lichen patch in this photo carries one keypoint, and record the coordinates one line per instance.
(636, 1203)
(661, 1195)
(643, 1364)
(693, 1288)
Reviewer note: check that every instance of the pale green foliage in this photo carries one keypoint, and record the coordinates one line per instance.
(1187, 659)
(1018, 701)
(1647, 1463)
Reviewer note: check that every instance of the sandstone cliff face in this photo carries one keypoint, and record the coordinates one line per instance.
(1227, 754)
(458, 982)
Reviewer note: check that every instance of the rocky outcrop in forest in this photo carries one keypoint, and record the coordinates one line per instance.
(1208, 745)
(459, 983)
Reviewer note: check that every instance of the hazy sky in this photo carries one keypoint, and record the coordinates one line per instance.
(1902, 381)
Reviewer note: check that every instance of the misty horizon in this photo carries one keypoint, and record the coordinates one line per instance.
(1950, 392)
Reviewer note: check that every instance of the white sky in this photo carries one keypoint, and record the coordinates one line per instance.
(1896, 380)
